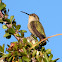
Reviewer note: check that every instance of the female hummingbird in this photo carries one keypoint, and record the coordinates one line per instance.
(35, 27)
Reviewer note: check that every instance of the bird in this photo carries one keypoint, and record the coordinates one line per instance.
(35, 27)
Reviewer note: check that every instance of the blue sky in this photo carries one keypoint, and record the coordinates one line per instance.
(50, 15)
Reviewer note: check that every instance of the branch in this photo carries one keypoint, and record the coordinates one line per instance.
(9, 26)
(44, 40)
(1, 15)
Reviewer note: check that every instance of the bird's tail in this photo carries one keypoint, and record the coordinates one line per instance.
(43, 42)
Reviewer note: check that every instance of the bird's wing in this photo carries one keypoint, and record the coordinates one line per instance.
(38, 29)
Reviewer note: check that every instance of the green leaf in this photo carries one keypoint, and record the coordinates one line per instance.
(14, 24)
(11, 18)
(1, 20)
(2, 5)
(6, 34)
(20, 60)
(1, 49)
(50, 57)
(8, 20)
(34, 53)
(40, 59)
(24, 40)
(18, 35)
(18, 27)
(23, 31)
(30, 44)
(16, 46)
(11, 30)
(48, 51)
(22, 35)
(25, 58)
(9, 59)
(4, 27)
(42, 49)
(37, 57)
(20, 45)
(15, 53)
(55, 60)
(25, 51)
(22, 53)
(7, 55)
(46, 57)
(3, 46)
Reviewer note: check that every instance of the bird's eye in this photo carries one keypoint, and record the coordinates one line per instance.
(34, 16)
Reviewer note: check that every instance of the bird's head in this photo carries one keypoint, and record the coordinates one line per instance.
(32, 17)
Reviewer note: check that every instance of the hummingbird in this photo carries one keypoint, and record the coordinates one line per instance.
(35, 27)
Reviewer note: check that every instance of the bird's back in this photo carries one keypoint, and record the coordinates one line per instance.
(38, 29)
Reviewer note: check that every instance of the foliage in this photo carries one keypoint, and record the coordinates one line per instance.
(19, 51)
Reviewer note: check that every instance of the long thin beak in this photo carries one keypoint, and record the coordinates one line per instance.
(25, 12)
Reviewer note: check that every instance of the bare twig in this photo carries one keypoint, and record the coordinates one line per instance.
(8, 25)
(18, 38)
(1, 15)
(0, 1)
(44, 40)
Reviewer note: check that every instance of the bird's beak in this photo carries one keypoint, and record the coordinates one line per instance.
(25, 12)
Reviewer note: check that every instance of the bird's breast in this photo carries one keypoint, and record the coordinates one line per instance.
(30, 29)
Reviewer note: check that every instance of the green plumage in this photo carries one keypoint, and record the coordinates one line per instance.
(38, 29)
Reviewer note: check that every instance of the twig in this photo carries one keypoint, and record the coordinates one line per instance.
(1, 15)
(10, 26)
(44, 40)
